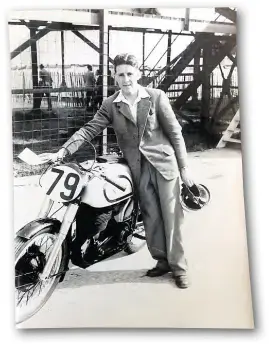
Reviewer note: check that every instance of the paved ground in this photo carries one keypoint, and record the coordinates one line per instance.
(115, 293)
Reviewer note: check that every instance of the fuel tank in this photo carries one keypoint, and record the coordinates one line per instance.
(100, 193)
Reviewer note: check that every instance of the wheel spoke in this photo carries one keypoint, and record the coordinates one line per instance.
(46, 246)
(34, 288)
(40, 287)
(27, 273)
(23, 294)
(41, 241)
(20, 298)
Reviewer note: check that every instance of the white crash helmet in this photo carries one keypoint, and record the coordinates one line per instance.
(195, 197)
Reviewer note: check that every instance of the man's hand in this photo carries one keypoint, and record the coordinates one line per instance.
(46, 157)
(185, 176)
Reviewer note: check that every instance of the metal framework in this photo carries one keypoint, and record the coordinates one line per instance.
(217, 37)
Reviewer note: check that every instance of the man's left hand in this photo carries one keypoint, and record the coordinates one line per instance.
(185, 176)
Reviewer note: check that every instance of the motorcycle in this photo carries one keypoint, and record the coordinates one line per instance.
(43, 247)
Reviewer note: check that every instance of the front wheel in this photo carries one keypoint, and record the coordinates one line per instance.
(31, 256)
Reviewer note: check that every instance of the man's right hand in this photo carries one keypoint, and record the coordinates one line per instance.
(46, 157)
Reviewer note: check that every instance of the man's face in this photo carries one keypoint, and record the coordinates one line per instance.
(127, 77)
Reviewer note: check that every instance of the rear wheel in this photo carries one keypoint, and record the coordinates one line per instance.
(31, 293)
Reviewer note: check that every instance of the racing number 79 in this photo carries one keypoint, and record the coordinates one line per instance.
(69, 186)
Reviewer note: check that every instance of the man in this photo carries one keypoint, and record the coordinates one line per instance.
(89, 81)
(150, 139)
(110, 84)
(99, 87)
(98, 98)
(45, 81)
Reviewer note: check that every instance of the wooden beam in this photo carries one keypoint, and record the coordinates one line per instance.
(183, 62)
(92, 45)
(69, 27)
(232, 58)
(124, 19)
(36, 102)
(55, 90)
(16, 23)
(150, 79)
(28, 43)
(212, 63)
(84, 18)
(119, 19)
(227, 13)
(58, 26)
(146, 30)
(207, 51)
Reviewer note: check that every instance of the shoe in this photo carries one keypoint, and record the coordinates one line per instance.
(78, 261)
(156, 272)
(182, 281)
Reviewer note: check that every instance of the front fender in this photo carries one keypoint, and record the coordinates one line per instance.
(33, 227)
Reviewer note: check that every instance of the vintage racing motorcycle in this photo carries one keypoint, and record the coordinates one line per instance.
(43, 247)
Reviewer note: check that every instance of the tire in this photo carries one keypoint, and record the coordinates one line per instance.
(30, 258)
(136, 244)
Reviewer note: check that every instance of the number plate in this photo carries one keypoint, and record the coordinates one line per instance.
(62, 183)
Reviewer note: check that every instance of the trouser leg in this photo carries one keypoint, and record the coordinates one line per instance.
(49, 101)
(152, 217)
(88, 98)
(163, 218)
(173, 216)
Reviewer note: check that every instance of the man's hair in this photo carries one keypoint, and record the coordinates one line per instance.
(41, 66)
(89, 67)
(125, 59)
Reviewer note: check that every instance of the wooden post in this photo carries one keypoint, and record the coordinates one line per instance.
(196, 70)
(207, 51)
(62, 53)
(23, 87)
(143, 54)
(36, 96)
(108, 33)
(103, 65)
(187, 19)
(168, 60)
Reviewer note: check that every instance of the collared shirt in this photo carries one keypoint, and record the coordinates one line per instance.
(142, 93)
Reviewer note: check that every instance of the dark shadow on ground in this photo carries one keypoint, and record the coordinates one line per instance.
(77, 278)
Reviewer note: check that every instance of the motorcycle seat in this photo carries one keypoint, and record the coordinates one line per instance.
(111, 159)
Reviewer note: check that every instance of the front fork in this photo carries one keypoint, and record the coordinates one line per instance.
(65, 226)
(45, 207)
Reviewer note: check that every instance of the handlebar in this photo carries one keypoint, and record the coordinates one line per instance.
(92, 170)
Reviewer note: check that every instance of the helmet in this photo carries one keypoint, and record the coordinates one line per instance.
(194, 197)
